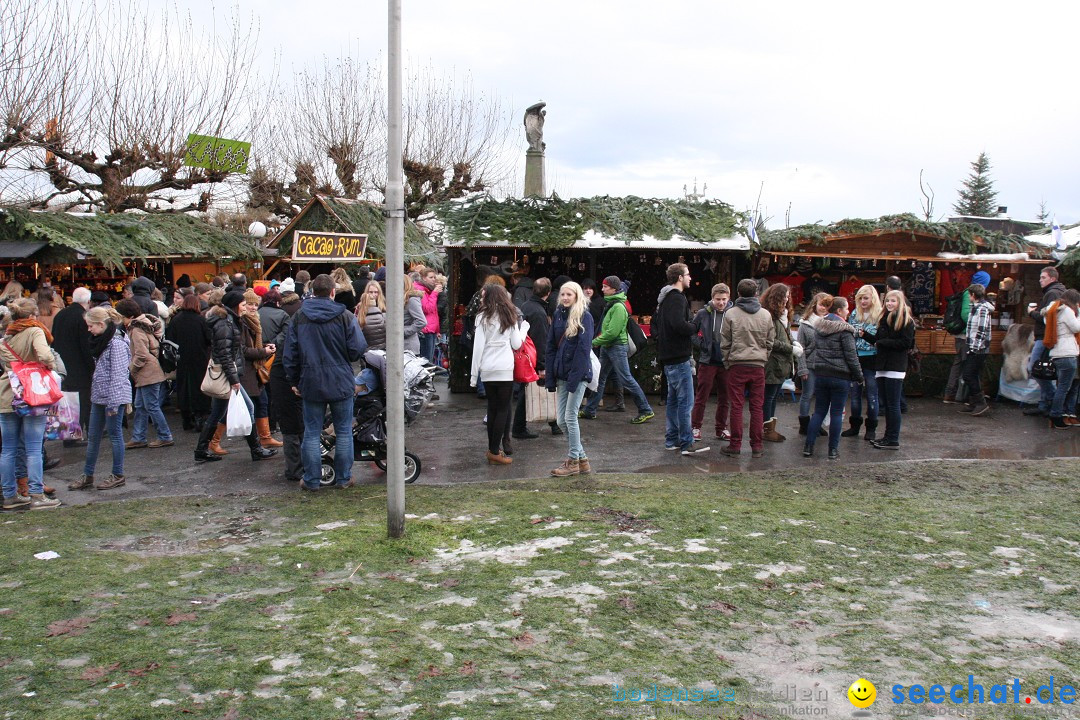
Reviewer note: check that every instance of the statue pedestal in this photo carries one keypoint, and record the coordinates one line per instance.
(534, 174)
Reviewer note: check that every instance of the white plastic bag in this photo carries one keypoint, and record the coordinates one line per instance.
(540, 405)
(595, 382)
(237, 419)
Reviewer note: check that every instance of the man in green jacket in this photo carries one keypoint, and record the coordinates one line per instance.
(612, 344)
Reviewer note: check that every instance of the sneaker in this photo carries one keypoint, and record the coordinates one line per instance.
(113, 481)
(730, 451)
(527, 435)
(643, 417)
(985, 408)
(615, 408)
(966, 409)
(694, 448)
(671, 447)
(1035, 411)
(16, 502)
(760, 452)
(159, 443)
(43, 502)
(949, 400)
(883, 445)
(586, 415)
(345, 485)
(135, 444)
(723, 435)
(834, 453)
(697, 434)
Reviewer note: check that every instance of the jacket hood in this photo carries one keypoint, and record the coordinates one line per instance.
(1056, 285)
(616, 297)
(664, 291)
(322, 310)
(150, 323)
(748, 305)
(828, 326)
(142, 286)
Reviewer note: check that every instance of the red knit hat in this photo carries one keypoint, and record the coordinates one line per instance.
(260, 290)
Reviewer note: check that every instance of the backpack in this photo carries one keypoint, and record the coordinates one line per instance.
(168, 355)
(954, 314)
(635, 337)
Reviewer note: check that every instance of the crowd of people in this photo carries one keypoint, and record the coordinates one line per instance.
(286, 350)
(850, 361)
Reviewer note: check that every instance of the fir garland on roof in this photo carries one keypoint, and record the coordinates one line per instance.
(963, 238)
(553, 223)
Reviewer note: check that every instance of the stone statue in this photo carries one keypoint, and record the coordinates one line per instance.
(534, 126)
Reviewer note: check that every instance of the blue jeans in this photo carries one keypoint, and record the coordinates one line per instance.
(1066, 372)
(831, 393)
(568, 403)
(613, 357)
(680, 400)
(772, 391)
(100, 421)
(262, 404)
(427, 345)
(25, 434)
(891, 392)
(807, 394)
(1046, 387)
(871, 390)
(311, 451)
(148, 407)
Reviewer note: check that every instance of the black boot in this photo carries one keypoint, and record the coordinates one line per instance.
(804, 423)
(853, 431)
(200, 423)
(258, 452)
(188, 421)
(871, 431)
(202, 449)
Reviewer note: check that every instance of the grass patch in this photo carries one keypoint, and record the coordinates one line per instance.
(531, 598)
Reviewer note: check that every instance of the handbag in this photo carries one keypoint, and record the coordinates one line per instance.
(540, 405)
(1044, 369)
(525, 362)
(33, 383)
(214, 383)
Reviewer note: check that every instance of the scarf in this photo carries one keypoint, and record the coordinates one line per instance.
(98, 343)
(1051, 337)
(17, 326)
(254, 328)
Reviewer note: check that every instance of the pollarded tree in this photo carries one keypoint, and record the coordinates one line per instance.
(977, 195)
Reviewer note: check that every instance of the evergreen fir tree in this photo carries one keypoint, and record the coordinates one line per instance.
(977, 196)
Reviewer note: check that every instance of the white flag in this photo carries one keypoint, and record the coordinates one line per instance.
(753, 230)
(1055, 232)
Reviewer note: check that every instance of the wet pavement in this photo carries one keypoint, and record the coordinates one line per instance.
(450, 438)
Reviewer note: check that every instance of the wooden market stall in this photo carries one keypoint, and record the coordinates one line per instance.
(103, 252)
(933, 260)
(634, 238)
(357, 217)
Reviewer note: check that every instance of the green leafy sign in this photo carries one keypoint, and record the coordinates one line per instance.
(214, 153)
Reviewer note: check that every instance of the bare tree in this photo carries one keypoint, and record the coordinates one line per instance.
(926, 204)
(329, 136)
(122, 90)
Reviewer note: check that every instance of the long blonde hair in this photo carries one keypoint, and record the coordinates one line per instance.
(365, 303)
(902, 317)
(103, 314)
(874, 315)
(577, 310)
(12, 291)
(341, 279)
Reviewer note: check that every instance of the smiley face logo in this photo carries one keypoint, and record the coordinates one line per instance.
(862, 693)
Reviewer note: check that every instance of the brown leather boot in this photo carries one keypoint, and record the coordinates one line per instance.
(770, 434)
(571, 467)
(214, 446)
(23, 485)
(499, 459)
(265, 438)
(584, 468)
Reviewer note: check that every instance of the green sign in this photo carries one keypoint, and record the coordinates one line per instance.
(214, 153)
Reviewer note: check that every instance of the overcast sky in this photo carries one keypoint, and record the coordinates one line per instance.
(835, 106)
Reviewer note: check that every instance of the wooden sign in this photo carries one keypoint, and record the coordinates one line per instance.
(311, 246)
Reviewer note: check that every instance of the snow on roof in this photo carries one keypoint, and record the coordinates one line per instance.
(1071, 236)
(593, 240)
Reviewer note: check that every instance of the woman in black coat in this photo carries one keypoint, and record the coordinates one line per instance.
(189, 330)
(287, 411)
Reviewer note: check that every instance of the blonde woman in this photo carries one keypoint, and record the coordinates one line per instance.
(414, 317)
(343, 289)
(371, 314)
(11, 292)
(865, 317)
(894, 338)
(568, 370)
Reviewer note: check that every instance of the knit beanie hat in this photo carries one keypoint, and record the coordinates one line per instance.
(981, 278)
(232, 299)
(613, 282)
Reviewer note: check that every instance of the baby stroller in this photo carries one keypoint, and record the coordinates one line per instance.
(369, 413)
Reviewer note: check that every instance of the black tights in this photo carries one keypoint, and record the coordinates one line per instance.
(500, 397)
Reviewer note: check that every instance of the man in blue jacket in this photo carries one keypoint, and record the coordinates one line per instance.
(323, 341)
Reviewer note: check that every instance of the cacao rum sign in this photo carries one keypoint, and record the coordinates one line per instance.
(312, 246)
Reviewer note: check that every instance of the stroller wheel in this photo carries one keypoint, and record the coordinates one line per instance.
(329, 475)
(412, 467)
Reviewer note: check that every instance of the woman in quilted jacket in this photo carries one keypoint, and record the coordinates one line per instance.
(110, 392)
(568, 370)
(146, 332)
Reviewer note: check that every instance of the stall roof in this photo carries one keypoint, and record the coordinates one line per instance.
(19, 250)
(330, 214)
(602, 222)
(111, 239)
(889, 234)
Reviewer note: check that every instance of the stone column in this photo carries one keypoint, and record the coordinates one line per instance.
(534, 174)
